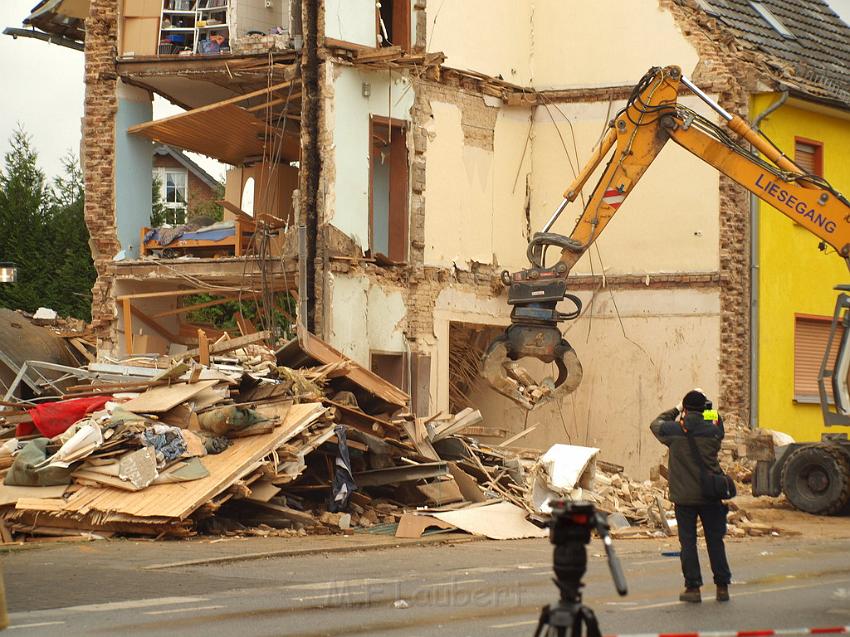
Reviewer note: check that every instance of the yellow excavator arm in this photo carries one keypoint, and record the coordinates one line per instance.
(651, 117)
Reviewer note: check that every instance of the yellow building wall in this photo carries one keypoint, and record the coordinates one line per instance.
(794, 276)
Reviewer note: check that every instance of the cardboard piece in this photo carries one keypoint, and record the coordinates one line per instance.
(138, 467)
(10, 494)
(468, 486)
(413, 525)
(500, 521)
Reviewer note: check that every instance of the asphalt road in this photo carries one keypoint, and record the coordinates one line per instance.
(475, 588)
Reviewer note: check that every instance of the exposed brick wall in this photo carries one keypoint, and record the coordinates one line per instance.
(101, 105)
(731, 72)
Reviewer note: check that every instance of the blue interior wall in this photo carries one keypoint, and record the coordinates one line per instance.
(133, 174)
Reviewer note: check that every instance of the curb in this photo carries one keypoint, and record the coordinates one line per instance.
(245, 557)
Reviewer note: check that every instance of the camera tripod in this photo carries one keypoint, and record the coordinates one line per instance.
(569, 531)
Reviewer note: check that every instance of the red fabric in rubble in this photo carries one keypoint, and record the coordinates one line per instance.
(52, 419)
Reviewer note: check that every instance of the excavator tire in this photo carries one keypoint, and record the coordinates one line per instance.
(816, 479)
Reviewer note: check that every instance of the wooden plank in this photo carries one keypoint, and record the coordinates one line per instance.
(160, 399)
(197, 306)
(82, 349)
(203, 348)
(233, 343)
(140, 128)
(521, 434)
(128, 326)
(371, 382)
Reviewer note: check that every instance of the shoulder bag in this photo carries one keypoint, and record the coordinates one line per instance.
(714, 486)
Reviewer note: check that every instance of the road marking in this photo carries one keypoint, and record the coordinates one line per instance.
(758, 591)
(461, 581)
(327, 596)
(528, 622)
(132, 603)
(645, 562)
(181, 610)
(38, 625)
(322, 586)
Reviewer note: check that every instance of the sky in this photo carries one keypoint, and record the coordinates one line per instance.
(42, 89)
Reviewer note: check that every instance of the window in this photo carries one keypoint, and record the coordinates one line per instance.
(811, 334)
(808, 155)
(248, 196)
(393, 23)
(388, 187)
(772, 20)
(174, 193)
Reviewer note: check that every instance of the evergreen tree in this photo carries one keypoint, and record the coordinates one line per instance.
(23, 194)
(43, 231)
(70, 259)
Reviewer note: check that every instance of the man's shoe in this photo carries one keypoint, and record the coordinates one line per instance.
(691, 595)
(722, 593)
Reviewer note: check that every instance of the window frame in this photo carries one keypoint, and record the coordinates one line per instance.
(808, 398)
(172, 209)
(400, 26)
(818, 146)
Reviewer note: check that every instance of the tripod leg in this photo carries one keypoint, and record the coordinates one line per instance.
(588, 618)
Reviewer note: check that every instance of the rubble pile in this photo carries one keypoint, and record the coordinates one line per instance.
(237, 438)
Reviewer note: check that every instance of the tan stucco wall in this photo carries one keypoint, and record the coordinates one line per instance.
(488, 36)
(670, 222)
(603, 43)
(473, 210)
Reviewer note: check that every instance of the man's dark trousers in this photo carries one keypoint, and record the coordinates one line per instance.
(713, 517)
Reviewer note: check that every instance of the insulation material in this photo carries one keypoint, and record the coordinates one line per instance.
(562, 472)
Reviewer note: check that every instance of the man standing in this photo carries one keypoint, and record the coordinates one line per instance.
(693, 418)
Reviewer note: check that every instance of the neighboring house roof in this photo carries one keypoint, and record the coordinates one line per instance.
(180, 156)
(813, 56)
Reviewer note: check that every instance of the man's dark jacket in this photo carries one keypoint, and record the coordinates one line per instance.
(684, 472)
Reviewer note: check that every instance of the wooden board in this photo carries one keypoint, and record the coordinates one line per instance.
(179, 500)
(371, 382)
(160, 399)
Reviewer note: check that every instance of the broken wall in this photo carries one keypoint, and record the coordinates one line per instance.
(366, 316)
(476, 169)
(390, 95)
(351, 21)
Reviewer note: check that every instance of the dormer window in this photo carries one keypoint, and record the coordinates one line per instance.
(772, 20)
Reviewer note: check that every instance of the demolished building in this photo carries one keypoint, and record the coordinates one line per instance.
(390, 160)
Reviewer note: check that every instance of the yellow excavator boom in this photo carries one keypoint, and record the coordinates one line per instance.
(651, 117)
